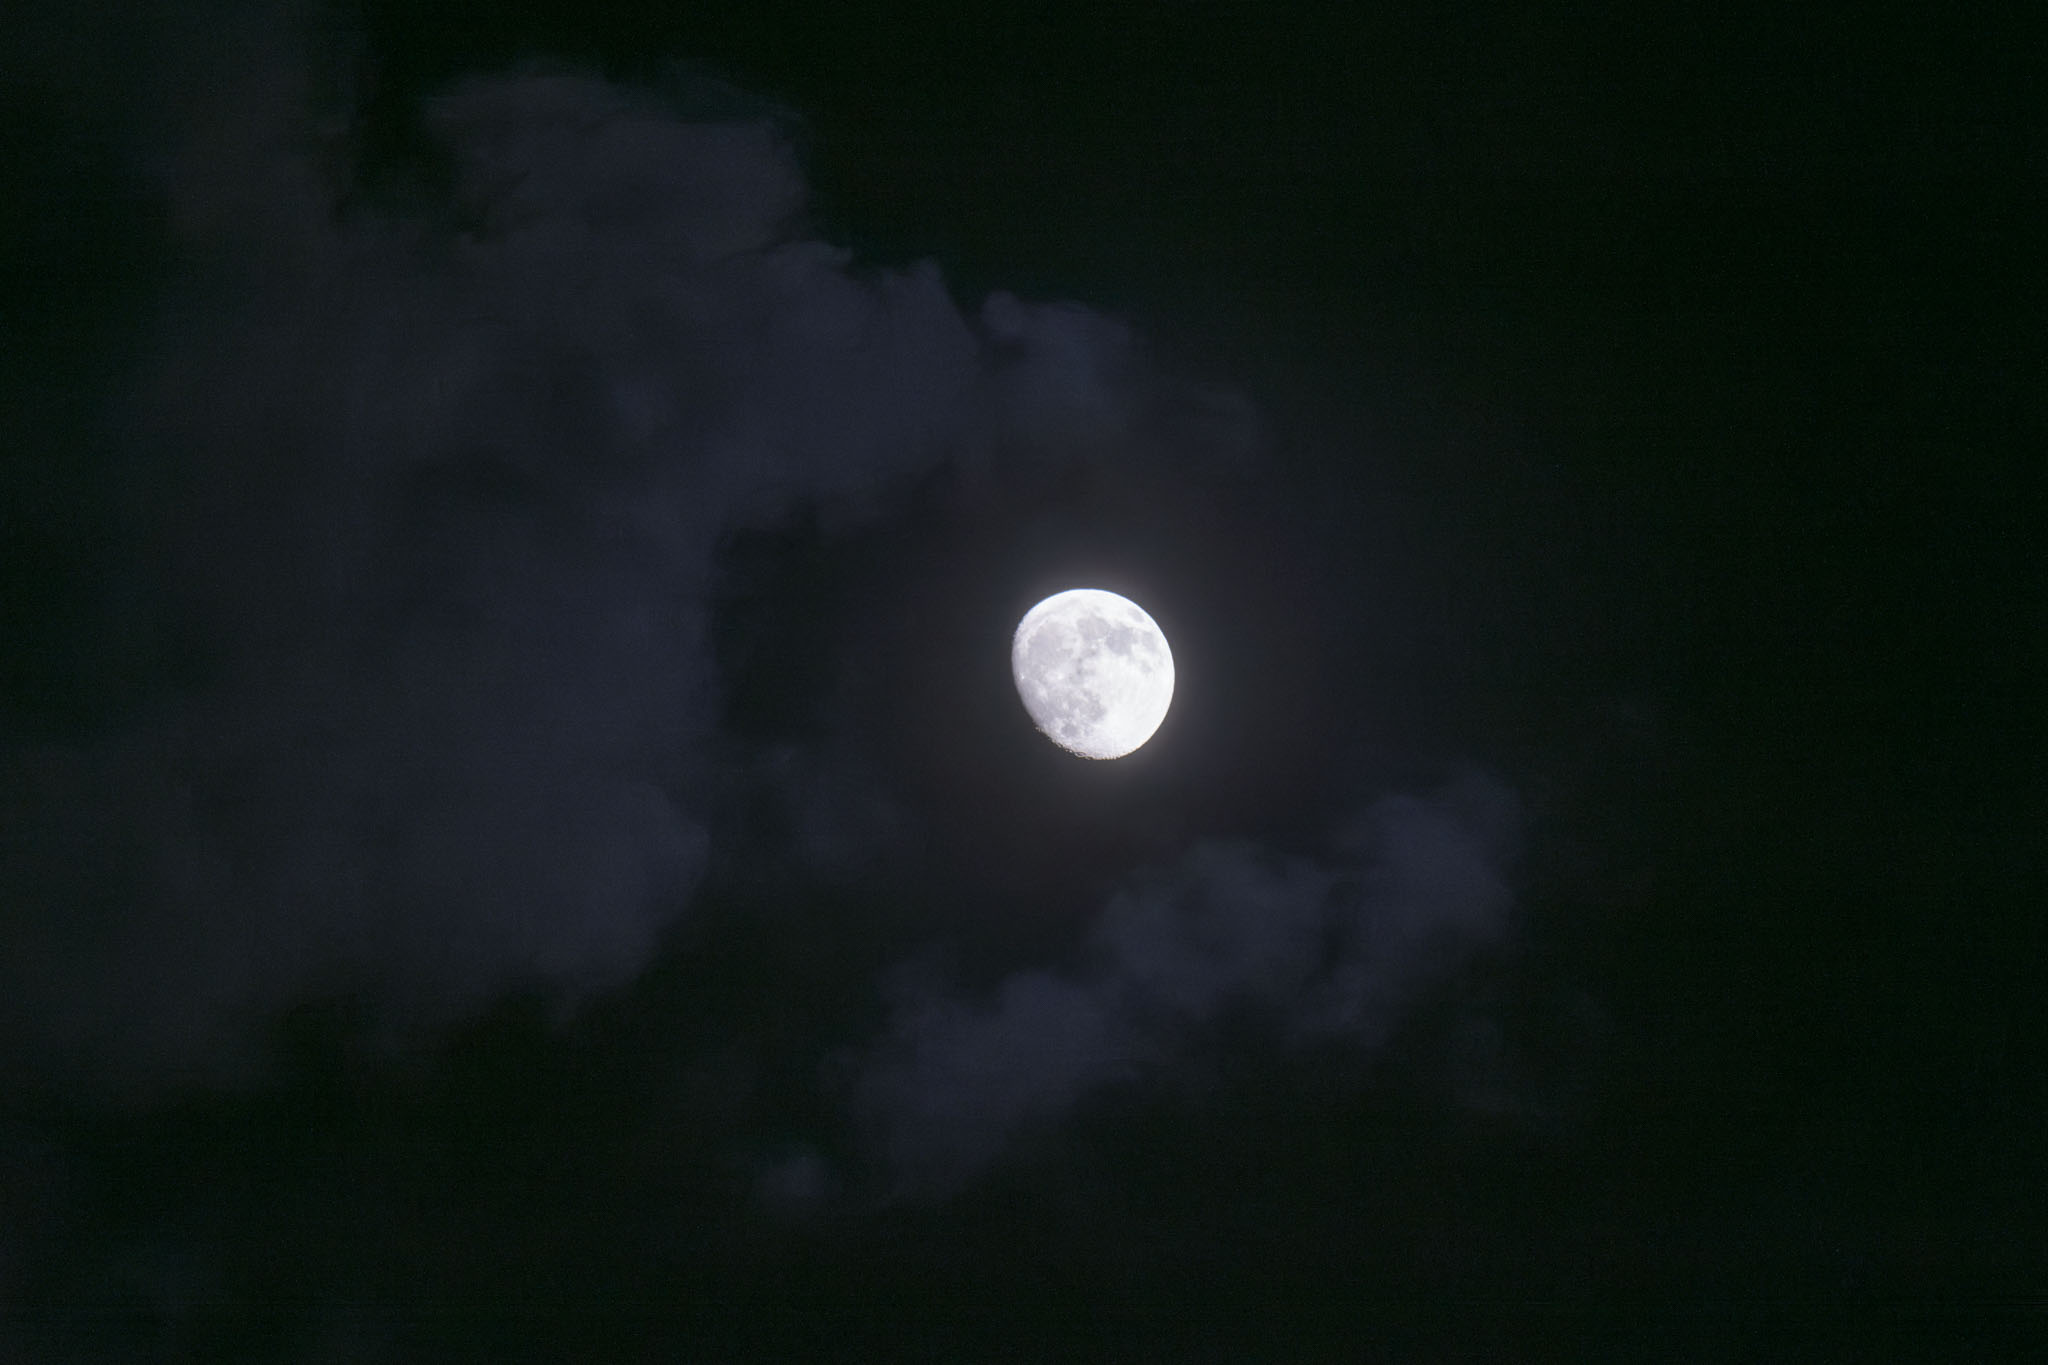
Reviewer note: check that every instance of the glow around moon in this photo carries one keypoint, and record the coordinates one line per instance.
(1093, 670)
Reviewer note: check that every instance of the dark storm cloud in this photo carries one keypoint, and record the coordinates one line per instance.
(1325, 949)
(439, 508)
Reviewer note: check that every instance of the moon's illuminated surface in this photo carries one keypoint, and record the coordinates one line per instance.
(1093, 670)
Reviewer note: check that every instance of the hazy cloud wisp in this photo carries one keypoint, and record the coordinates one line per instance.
(440, 507)
(1324, 949)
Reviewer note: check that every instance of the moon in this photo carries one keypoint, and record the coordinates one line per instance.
(1093, 671)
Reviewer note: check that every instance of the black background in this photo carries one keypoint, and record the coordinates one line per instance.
(1658, 411)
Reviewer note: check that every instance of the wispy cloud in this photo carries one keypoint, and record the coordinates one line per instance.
(1323, 949)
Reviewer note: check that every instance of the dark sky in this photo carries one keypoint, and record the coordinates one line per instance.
(517, 841)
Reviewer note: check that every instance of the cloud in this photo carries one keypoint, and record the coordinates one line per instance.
(1328, 949)
(427, 509)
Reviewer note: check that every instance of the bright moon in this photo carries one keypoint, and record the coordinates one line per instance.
(1093, 670)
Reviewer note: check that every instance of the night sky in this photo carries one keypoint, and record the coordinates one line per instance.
(518, 841)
